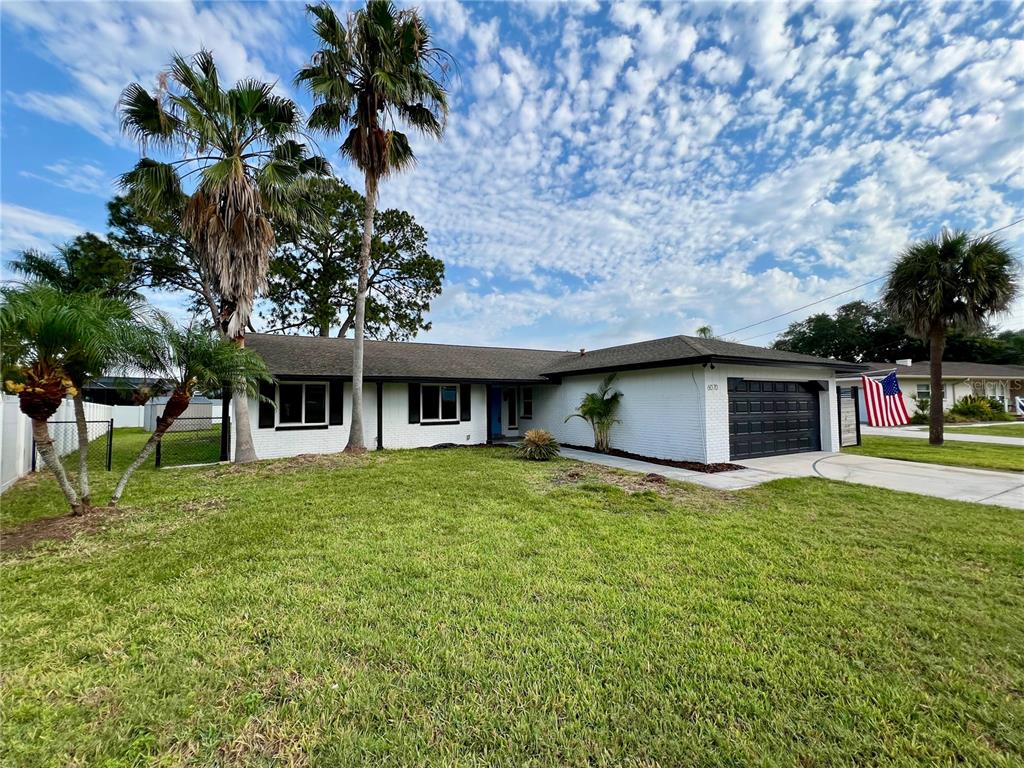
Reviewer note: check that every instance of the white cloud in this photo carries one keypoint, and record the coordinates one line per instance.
(85, 177)
(23, 228)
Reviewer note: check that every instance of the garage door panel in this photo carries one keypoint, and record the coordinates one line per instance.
(772, 417)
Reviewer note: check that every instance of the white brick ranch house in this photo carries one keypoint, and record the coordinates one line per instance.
(684, 398)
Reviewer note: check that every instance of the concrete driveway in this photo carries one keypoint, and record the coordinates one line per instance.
(957, 483)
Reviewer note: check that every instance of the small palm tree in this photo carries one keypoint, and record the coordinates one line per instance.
(598, 410)
(369, 74)
(190, 360)
(952, 281)
(239, 148)
(50, 339)
(705, 332)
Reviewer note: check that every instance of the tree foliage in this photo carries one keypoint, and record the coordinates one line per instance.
(863, 331)
(85, 264)
(315, 271)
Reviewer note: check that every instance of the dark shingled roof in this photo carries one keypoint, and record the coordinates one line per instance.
(679, 350)
(953, 370)
(315, 356)
(323, 356)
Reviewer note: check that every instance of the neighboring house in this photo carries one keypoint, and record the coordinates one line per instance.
(1004, 383)
(684, 398)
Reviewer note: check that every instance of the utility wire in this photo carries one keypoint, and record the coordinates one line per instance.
(834, 295)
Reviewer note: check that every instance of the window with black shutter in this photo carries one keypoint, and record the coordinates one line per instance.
(465, 397)
(336, 398)
(414, 403)
(266, 419)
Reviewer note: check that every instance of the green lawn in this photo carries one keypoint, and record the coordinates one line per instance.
(459, 607)
(952, 452)
(1002, 430)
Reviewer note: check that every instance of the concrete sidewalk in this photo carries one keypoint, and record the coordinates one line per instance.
(723, 481)
(955, 483)
(949, 434)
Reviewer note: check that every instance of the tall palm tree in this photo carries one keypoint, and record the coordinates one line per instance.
(705, 332)
(49, 337)
(190, 360)
(951, 281)
(374, 71)
(238, 146)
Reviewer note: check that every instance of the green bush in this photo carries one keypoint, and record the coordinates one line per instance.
(921, 406)
(978, 408)
(537, 445)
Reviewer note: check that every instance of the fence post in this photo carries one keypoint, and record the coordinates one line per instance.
(110, 443)
(158, 444)
(225, 424)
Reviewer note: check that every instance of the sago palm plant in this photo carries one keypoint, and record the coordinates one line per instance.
(48, 340)
(375, 71)
(189, 360)
(598, 409)
(238, 151)
(537, 445)
(952, 281)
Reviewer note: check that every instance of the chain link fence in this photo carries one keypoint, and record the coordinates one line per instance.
(65, 441)
(199, 440)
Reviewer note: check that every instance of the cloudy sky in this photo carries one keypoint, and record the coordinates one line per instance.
(609, 172)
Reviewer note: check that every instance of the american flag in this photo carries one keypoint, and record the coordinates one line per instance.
(884, 400)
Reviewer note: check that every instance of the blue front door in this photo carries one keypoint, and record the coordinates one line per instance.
(494, 406)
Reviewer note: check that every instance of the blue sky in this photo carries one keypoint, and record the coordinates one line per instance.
(610, 172)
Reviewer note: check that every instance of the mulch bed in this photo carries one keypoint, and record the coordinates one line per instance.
(694, 466)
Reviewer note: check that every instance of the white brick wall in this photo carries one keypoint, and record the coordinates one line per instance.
(661, 412)
(398, 432)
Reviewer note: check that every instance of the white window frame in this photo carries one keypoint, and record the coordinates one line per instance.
(303, 422)
(440, 416)
(926, 393)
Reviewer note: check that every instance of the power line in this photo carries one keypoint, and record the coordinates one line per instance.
(834, 295)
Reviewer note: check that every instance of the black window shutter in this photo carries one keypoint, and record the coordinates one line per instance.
(267, 409)
(465, 398)
(337, 398)
(414, 403)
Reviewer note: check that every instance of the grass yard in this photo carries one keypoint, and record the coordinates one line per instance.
(1001, 430)
(459, 607)
(952, 452)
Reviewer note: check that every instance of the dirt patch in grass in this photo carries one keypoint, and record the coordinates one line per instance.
(636, 483)
(301, 463)
(693, 466)
(61, 528)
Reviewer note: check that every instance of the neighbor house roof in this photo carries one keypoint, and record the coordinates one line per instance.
(953, 370)
(317, 356)
(682, 350)
(324, 356)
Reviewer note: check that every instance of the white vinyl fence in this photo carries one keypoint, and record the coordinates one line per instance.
(16, 437)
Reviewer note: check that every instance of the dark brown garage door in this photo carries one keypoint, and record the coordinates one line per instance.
(767, 418)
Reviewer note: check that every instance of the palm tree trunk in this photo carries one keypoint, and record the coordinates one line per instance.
(176, 405)
(83, 451)
(44, 444)
(245, 450)
(355, 434)
(936, 343)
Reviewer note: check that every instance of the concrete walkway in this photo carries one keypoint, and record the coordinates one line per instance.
(956, 483)
(948, 434)
(722, 481)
